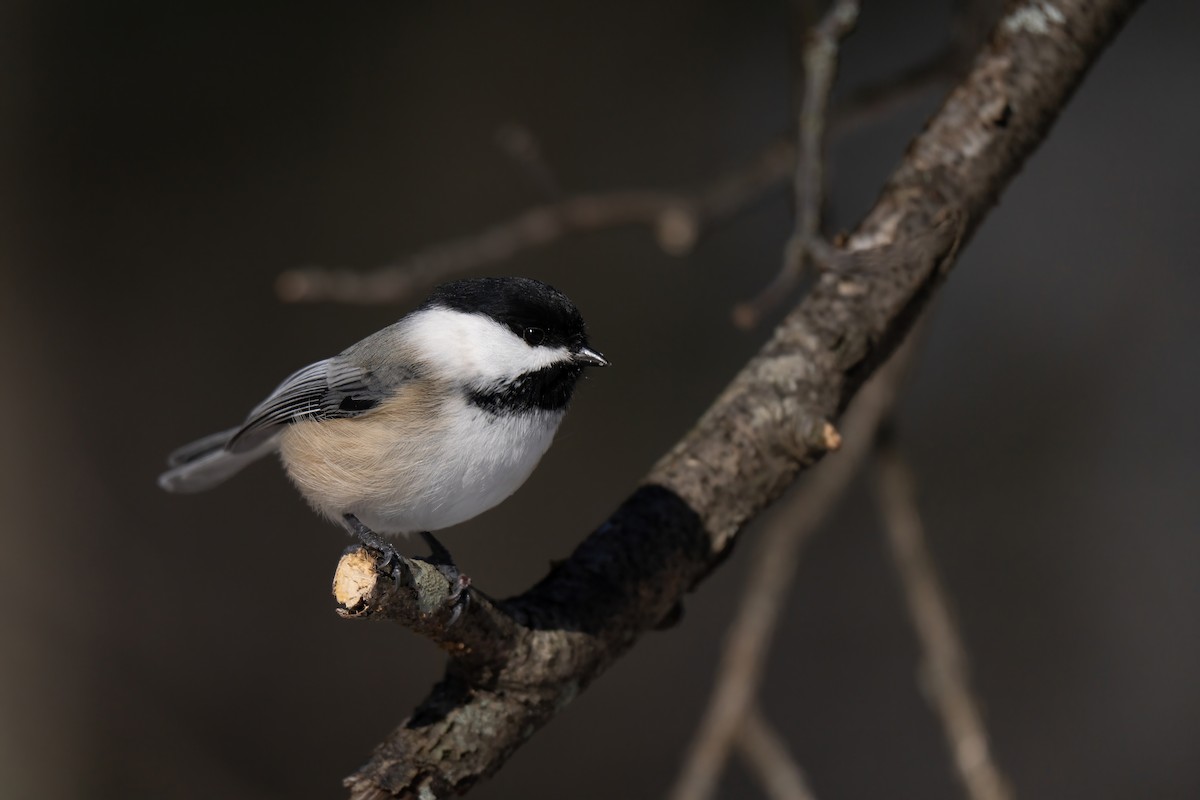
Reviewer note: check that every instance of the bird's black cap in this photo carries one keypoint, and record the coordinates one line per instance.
(518, 304)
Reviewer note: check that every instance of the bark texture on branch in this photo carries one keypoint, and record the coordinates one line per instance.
(515, 663)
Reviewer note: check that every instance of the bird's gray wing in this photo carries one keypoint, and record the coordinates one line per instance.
(335, 388)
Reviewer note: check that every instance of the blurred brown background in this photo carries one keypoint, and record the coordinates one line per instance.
(162, 163)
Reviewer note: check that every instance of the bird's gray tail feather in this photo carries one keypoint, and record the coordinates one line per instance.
(205, 462)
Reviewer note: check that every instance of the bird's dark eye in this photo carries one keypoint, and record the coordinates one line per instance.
(533, 336)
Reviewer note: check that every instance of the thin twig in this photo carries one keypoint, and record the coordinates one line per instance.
(802, 15)
(765, 752)
(775, 561)
(677, 219)
(820, 67)
(944, 662)
(532, 228)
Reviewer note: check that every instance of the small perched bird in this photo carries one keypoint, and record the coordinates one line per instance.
(423, 425)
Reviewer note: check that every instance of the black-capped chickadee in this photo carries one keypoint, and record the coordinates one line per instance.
(423, 425)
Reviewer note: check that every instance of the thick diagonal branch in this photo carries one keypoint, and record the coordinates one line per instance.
(769, 423)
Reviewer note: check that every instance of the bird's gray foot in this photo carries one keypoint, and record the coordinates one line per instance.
(389, 560)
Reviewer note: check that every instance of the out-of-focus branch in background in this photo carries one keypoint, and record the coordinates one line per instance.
(767, 756)
(678, 218)
(944, 660)
(776, 558)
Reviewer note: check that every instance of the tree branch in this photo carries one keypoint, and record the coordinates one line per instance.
(769, 423)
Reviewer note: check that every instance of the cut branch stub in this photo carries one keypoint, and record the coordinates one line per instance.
(419, 596)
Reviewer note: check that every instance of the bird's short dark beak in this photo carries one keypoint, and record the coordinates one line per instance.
(586, 355)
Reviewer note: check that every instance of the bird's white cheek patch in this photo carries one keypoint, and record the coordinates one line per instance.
(472, 348)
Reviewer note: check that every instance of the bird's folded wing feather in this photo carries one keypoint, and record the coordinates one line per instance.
(331, 389)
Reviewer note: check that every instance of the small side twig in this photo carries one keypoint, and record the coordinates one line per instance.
(820, 67)
(944, 667)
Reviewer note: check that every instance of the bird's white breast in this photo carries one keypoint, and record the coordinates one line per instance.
(399, 473)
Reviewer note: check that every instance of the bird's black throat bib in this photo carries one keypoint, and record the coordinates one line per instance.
(546, 389)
